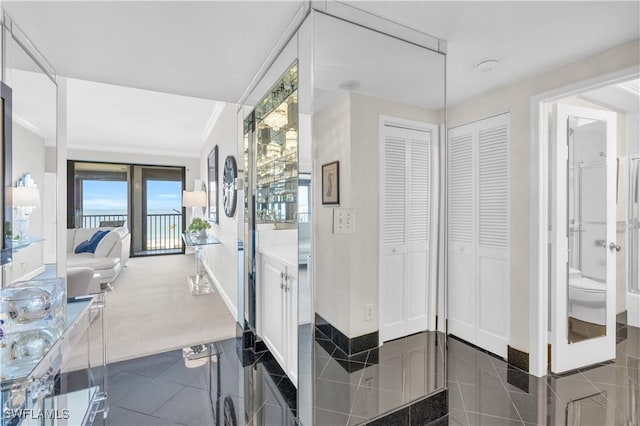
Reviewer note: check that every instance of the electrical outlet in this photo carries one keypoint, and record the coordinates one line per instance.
(368, 316)
(344, 221)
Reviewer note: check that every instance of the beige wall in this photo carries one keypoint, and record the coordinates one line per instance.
(516, 98)
(222, 259)
(332, 252)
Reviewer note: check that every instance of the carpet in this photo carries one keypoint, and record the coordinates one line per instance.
(151, 310)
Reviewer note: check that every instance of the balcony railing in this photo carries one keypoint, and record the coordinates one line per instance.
(163, 230)
(98, 220)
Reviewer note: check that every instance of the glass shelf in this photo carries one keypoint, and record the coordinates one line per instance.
(16, 245)
(193, 240)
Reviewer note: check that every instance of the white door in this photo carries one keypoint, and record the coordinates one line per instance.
(583, 252)
(405, 229)
(461, 233)
(478, 233)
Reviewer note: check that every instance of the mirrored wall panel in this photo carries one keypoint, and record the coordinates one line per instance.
(341, 157)
(378, 104)
(32, 186)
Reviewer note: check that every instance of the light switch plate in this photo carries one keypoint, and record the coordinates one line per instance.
(344, 221)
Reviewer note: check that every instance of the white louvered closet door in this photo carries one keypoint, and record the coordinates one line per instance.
(493, 235)
(478, 223)
(461, 226)
(405, 228)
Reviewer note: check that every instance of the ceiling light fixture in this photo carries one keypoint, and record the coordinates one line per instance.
(487, 65)
(277, 118)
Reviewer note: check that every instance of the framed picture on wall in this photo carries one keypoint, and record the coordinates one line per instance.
(212, 179)
(331, 183)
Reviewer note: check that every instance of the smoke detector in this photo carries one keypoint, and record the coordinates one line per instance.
(487, 65)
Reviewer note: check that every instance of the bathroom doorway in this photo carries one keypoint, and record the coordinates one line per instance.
(593, 138)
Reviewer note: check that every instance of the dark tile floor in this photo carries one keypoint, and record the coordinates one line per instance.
(353, 390)
(482, 389)
(161, 390)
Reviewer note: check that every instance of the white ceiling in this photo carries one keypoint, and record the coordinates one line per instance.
(212, 49)
(105, 117)
(527, 37)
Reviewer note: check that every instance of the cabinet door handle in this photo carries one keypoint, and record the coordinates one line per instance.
(282, 281)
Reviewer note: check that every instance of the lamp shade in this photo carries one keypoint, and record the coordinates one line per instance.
(194, 198)
(25, 196)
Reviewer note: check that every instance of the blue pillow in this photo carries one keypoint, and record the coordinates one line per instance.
(91, 245)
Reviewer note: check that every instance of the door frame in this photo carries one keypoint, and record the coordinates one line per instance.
(432, 284)
(539, 235)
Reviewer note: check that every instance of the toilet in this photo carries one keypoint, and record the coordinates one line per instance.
(587, 298)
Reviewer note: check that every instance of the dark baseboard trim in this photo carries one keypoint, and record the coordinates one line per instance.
(621, 327)
(349, 346)
(431, 410)
(249, 346)
(518, 358)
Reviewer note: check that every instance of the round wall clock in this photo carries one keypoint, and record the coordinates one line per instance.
(229, 193)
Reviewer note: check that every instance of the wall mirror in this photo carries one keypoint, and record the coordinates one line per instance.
(324, 98)
(377, 106)
(586, 202)
(34, 160)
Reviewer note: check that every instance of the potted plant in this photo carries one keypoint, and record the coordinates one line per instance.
(199, 226)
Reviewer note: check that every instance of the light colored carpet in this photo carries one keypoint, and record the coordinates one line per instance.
(151, 310)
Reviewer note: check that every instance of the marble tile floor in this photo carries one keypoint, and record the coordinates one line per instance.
(161, 390)
(355, 390)
(482, 389)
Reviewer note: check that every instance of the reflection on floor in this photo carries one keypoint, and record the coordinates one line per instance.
(482, 389)
(400, 373)
(161, 390)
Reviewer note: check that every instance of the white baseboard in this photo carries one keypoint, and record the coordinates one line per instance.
(225, 297)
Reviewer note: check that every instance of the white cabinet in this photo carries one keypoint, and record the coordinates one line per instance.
(478, 233)
(278, 325)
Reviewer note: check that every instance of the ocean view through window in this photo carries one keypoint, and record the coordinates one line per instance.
(147, 200)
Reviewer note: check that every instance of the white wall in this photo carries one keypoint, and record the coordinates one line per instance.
(346, 264)
(516, 99)
(222, 260)
(28, 157)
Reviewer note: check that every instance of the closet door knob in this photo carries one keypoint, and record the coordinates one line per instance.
(614, 246)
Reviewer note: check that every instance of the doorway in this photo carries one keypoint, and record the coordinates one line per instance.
(587, 257)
